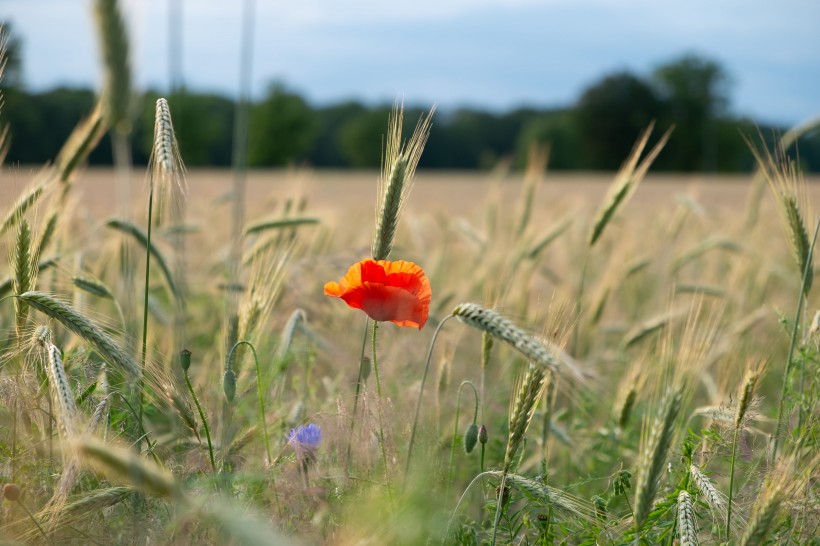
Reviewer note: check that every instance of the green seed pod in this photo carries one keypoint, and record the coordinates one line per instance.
(470, 438)
(229, 385)
(482, 435)
(365, 368)
(185, 359)
(11, 491)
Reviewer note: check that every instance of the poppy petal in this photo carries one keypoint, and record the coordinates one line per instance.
(398, 292)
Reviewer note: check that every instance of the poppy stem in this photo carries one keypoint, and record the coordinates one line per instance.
(421, 393)
(379, 393)
(356, 397)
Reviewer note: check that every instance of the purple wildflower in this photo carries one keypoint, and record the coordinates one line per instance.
(305, 441)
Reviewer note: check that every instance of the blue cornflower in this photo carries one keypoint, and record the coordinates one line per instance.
(305, 441)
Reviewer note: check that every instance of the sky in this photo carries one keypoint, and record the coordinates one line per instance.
(493, 54)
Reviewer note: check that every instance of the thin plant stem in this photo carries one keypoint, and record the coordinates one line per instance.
(793, 340)
(421, 393)
(499, 503)
(240, 137)
(356, 396)
(455, 427)
(204, 420)
(731, 482)
(379, 394)
(145, 300)
(37, 523)
(809, 265)
(259, 391)
(579, 299)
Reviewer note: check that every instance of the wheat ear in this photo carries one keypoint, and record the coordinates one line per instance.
(686, 520)
(85, 328)
(491, 322)
(626, 182)
(398, 167)
(653, 455)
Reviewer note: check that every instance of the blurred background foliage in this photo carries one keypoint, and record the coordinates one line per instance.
(595, 133)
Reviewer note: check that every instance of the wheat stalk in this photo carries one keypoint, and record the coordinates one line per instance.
(121, 462)
(22, 206)
(686, 520)
(715, 500)
(398, 167)
(116, 94)
(626, 182)
(491, 322)
(85, 328)
(166, 165)
(788, 188)
(68, 413)
(25, 272)
(529, 391)
(569, 506)
(75, 151)
(653, 455)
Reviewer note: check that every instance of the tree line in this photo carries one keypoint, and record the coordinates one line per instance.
(595, 133)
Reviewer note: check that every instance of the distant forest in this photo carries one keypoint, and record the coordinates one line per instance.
(595, 133)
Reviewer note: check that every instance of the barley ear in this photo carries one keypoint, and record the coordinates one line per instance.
(530, 388)
(653, 455)
(746, 395)
(167, 169)
(398, 167)
(788, 188)
(25, 272)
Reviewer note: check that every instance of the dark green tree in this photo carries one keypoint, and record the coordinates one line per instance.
(609, 117)
(326, 150)
(361, 138)
(557, 130)
(281, 128)
(41, 122)
(695, 92)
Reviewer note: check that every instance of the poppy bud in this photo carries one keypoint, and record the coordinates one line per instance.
(470, 438)
(185, 359)
(482, 435)
(229, 385)
(11, 491)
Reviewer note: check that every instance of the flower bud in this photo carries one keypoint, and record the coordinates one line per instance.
(11, 491)
(482, 435)
(470, 438)
(229, 385)
(185, 359)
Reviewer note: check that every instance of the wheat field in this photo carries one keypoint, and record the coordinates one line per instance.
(297, 357)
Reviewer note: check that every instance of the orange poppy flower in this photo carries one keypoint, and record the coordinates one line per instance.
(397, 291)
